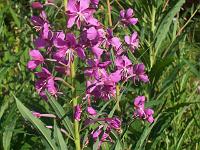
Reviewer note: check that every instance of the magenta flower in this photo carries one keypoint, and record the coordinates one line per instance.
(91, 111)
(124, 67)
(140, 111)
(127, 17)
(102, 135)
(96, 69)
(114, 123)
(80, 12)
(105, 137)
(96, 134)
(115, 42)
(67, 48)
(37, 59)
(132, 41)
(95, 3)
(36, 5)
(46, 81)
(42, 25)
(77, 112)
(92, 33)
(97, 51)
(139, 105)
(39, 115)
(103, 88)
(149, 115)
(139, 73)
(117, 45)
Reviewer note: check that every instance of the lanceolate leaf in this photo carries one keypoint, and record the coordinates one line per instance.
(9, 124)
(141, 142)
(61, 114)
(59, 138)
(166, 22)
(39, 125)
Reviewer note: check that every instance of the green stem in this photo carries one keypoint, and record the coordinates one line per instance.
(152, 53)
(65, 5)
(153, 14)
(109, 13)
(74, 101)
(118, 96)
(74, 98)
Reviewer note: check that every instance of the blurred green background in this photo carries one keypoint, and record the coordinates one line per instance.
(169, 46)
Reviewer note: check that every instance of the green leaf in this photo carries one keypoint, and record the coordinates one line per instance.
(164, 26)
(141, 142)
(7, 134)
(59, 138)
(61, 113)
(15, 18)
(192, 68)
(37, 123)
(189, 123)
(118, 146)
(96, 145)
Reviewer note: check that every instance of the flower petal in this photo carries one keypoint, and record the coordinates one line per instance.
(36, 55)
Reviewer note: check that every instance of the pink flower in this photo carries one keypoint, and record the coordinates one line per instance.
(149, 115)
(139, 105)
(67, 48)
(114, 123)
(132, 41)
(91, 111)
(124, 67)
(101, 134)
(103, 88)
(39, 115)
(80, 12)
(36, 5)
(140, 111)
(96, 69)
(37, 59)
(127, 17)
(45, 82)
(139, 73)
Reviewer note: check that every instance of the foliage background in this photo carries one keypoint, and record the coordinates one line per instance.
(170, 48)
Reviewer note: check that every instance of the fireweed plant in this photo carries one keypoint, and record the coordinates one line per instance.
(107, 68)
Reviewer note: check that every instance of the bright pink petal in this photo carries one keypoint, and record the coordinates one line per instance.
(71, 6)
(51, 86)
(40, 43)
(60, 53)
(116, 76)
(71, 21)
(133, 21)
(144, 78)
(91, 111)
(84, 4)
(127, 39)
(92, 21)
(36, 55)
(80, 52)
(91, 33)
(32, 64)
(97, 51)
(36, 5)
(129, 13)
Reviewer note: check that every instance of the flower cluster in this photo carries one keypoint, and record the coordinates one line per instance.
(105, 55)
(141, 111)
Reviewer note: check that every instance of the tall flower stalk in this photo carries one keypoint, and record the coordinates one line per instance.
(75, 103)
(105, 73)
